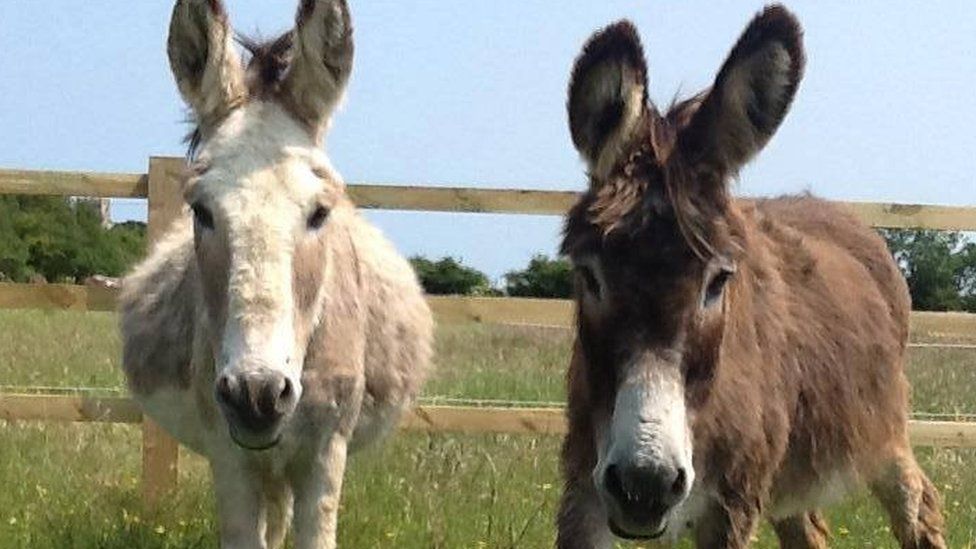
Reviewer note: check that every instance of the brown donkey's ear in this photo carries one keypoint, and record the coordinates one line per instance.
(607, 95)
(321, 61)
(201, 55)
(751, 95)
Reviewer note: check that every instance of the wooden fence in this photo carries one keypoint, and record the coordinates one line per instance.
(161, 186)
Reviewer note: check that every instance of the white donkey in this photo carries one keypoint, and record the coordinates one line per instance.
(276, 329)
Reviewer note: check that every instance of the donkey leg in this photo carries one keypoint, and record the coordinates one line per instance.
(240, 504)
(727, 525)
(804, 531)
(582, 522)
(317, 487)
(278, 502)
(912, 503)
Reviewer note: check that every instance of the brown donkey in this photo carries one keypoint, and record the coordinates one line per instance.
(733, 358)
(273, 330)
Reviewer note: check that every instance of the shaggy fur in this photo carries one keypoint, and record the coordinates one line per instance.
(786, 319)
(275, 272)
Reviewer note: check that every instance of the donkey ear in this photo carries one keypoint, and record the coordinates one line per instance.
(322, 61)
(751, 95)
(607, 95)
(201, 55)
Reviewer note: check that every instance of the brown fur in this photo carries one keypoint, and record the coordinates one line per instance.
(805, 531)
(797, 375)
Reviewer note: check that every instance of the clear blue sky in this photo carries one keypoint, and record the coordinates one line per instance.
(472, 93)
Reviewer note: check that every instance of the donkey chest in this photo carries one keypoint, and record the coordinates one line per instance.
(178, 411)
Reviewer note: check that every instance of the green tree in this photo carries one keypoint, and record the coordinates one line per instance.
(940, 268)
(63, 240)
(448, 276)
(544, 277)
(130, 239)
(49, 229)
(14, 254)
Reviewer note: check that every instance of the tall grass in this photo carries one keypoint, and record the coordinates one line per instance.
(76, 486)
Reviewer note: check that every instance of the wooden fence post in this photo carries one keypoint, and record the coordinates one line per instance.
(160, 452)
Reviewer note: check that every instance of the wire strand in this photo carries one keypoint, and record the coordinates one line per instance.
(967, 417)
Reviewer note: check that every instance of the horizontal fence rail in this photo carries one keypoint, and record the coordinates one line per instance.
(928, 328)
(69, 408)
(431, 419)
(450, 199)
(88, 184)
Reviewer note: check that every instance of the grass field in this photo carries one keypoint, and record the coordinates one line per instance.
(76, 486)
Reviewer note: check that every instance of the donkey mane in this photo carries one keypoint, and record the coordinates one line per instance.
(267, 62)
(628, 201)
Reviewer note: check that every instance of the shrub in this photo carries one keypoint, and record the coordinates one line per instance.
(544, 277)
(448, 276)
(940, 268)
(63, 240)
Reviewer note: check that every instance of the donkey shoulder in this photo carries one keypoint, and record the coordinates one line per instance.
(398, 349)
(815, 218)
(158, 310)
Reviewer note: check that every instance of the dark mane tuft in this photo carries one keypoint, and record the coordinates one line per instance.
(193, 140)
(652, 180)
(266, 64)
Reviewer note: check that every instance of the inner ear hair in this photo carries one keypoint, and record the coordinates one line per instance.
(207, 70)
(752, 93)
(607, 95)
(322, 56)
(629, 113)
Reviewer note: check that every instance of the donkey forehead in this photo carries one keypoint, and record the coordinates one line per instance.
(646, 237)
(260, 152)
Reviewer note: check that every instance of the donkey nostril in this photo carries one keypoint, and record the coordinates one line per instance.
(225, 389)
(680, 482)
(286, 392)
(612, 482)
(283, 397)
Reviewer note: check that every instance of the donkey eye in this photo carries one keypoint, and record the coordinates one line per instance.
(318, 217)
(715, 286)
(592, 284)
(202, 216)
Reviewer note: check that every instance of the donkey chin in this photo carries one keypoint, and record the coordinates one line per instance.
(257, 404)
(645, 473)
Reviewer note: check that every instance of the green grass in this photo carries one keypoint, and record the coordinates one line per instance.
(76, 486)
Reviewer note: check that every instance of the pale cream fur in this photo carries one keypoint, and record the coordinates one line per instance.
(219, 87)
(335, 309)
(324, 30)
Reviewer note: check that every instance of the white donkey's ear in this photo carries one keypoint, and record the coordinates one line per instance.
(201, 55)
(322, 55)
